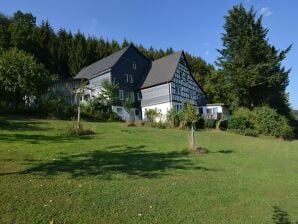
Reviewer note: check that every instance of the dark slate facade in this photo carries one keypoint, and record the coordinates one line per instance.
(130, 72)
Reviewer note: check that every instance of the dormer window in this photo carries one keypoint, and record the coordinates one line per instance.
(134, 66)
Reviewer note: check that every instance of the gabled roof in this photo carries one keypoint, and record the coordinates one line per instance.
(162, 70)
(102, 64)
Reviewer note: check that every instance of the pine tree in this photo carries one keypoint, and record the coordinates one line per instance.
(63, 44)
(77, 54)
(251, 67)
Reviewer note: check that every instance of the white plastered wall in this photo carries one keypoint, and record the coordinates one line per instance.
(163, 108)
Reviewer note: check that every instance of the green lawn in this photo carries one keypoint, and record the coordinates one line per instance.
(142, 175)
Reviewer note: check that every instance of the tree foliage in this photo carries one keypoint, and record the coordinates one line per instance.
(20, 76)
(64, 53)
(250, 68)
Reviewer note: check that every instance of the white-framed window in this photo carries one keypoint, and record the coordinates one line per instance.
(134, 65)
(132, 97)
(121, 94)
(129, 78)
(139, 96)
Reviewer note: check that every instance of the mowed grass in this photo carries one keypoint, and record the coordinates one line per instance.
(141, 175)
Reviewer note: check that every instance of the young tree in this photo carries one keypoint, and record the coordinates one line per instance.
(108, 94)
(128, 104)
(250, 66)
(79, 93)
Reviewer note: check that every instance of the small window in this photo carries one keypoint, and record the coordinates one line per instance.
(127, 77)
(119, 110)
(134, 66)
(137, 112)
(131, 79)
(121, 95)
(132, 97)
(139, 96)
(200, 110)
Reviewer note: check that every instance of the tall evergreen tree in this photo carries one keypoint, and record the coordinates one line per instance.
(21, 31)
(4, 33)
(45, 37)
(77, 54)
(63, 44)
(250, 66)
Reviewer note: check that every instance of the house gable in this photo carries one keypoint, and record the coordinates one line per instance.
(184, 87)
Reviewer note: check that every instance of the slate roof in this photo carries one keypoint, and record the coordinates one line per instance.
(101, 65)
(162, 70)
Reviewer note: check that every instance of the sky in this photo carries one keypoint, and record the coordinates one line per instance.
(191, 25)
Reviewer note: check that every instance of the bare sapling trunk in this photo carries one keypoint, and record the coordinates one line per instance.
(193, 143)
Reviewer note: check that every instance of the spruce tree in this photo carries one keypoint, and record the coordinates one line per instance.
(77, 54)
(250, 67)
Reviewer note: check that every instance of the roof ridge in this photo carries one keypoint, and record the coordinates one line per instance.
(175, 53)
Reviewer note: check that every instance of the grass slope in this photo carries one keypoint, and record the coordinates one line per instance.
(142, 175)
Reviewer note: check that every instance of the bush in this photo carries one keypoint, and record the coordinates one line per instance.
(262, 120)
(269, 122)
(130, 124)
(241, 119)
(151, 115)
(78, 130)
(210, 123)
(200, 124)
(173, 118)
(223, 124)
(56, 105)
(159, 125)
(246, 132)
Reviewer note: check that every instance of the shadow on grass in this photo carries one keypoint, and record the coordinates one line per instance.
(281, 217)
(133, 162)
(20, 125)
(225, 151)
(37, 138)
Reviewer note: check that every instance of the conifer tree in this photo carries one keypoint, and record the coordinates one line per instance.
(77, 54)
(250, 66)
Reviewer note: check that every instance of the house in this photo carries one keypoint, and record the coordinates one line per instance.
(214, 111)
(162, 84)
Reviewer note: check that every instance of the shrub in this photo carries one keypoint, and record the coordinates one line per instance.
(56, 105)
(130, 124)
(241, 119)
(159, 125)
(246, 132)
(140, 123)
(262, 120)
(173, 118)
(269, 122)
(200, 123)
(223, 124)
(210, 123)
(78, 130)
(151, 114)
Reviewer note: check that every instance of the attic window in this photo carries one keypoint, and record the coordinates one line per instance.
(134, 66)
